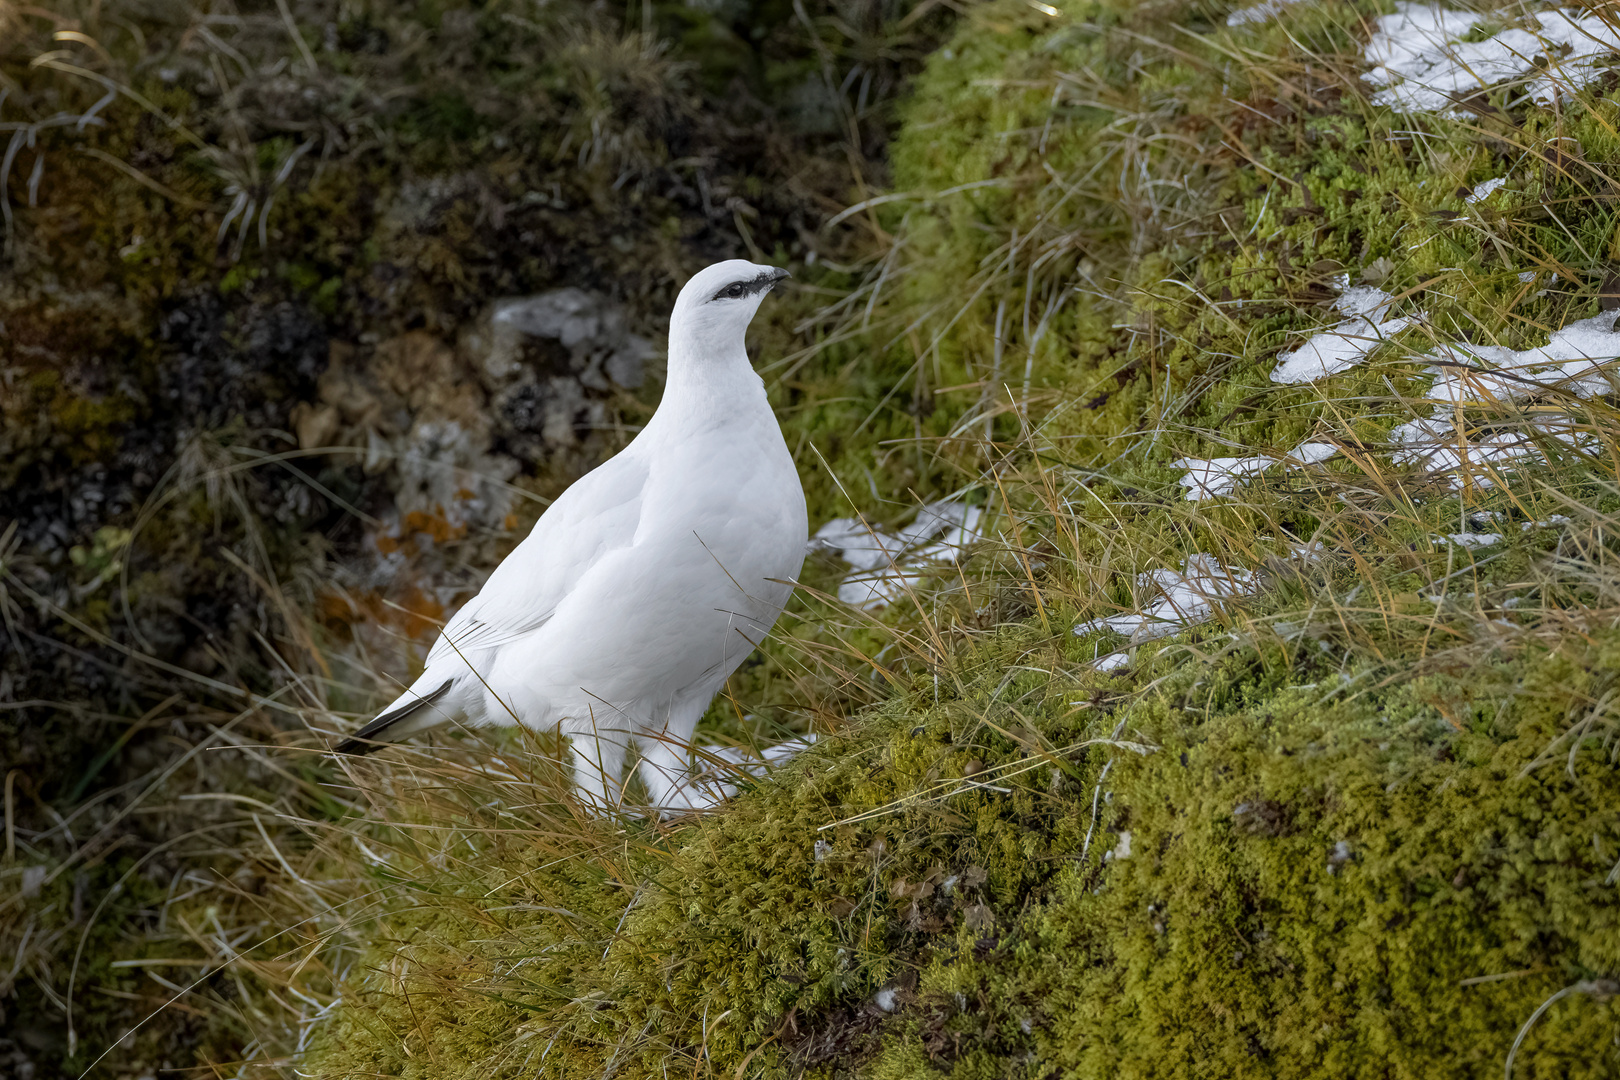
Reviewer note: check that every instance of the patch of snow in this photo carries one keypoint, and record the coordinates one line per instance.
(877, 589)
(1471, 540)
(1362, 300)
(719, 766)
(1186, 596)
(1111, 662)
(1578, 359)
(1483, 191)
(885, 999)
(1348, 343)
(1338, 856)
(821, 850)
(1308, 553)
(782, 751)
(1435, 445)
(1264, 11)
(735, 759)
(1417, 54)
(860, 545)
(1211, 477)
(1122, 850)
(1554, 522)
(948, 518)
(887, 567)
(1575, 359)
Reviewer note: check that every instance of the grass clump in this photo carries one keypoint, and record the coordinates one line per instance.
(1354, 812)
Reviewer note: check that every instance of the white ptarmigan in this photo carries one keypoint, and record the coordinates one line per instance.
(646, 583)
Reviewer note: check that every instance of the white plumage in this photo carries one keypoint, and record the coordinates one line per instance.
(647, 582)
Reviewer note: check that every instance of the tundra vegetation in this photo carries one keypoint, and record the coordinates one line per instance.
(1266, 727)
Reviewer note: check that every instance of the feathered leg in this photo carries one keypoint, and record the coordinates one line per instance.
(666, 772)
(665, 766)
(598, 756)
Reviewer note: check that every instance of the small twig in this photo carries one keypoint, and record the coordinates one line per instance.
(11, 816)
(1096, 796)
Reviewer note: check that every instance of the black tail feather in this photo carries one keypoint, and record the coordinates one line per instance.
(365, 741)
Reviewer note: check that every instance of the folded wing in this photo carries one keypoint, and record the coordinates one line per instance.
(596, 516)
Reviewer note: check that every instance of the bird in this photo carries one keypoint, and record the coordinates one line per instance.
(645, 584)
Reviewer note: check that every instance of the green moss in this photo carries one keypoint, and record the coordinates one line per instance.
(1352, 826)
(1314, 883)
(1240, 935)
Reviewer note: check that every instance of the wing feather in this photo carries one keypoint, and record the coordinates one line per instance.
(599, 514)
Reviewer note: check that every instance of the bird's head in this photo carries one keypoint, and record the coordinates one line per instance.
(717, 304)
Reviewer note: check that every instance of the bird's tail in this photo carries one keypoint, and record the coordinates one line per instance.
(411, 713)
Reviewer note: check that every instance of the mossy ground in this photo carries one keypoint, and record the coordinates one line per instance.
(1361, 822)
(1308, 882)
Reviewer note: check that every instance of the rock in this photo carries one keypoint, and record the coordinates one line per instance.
(315, 424)
(566, 330)
(525, 381)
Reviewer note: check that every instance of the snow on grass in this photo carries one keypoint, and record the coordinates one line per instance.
(1348, 343)
(874, 590)
(720, 767)
(887, 566)
(1484, 190)
(1185, 596)
(1575, 359)
(1264, 11)
(1209, 478)
(1437, 446)
(1419, 57)
(1471, 540)
(1578, 360)
(861, 545)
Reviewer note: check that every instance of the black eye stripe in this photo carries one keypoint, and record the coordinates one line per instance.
(739, 289)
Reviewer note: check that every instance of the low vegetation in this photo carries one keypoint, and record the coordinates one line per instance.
(1268, 730)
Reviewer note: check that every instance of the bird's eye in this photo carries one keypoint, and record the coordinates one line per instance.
(735, 291)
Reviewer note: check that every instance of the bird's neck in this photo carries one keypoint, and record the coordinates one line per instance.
(706, 382)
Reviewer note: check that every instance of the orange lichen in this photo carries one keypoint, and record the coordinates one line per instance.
(437, 525)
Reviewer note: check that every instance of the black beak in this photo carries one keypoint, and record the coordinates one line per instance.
(777, 274)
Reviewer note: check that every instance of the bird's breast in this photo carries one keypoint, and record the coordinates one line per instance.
(736, 490)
